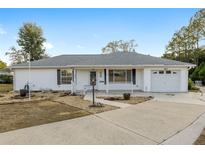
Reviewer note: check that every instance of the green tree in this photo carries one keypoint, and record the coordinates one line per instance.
(199, 73)
(2, 64)
(30, 40)
(184, 45)
(120, 46)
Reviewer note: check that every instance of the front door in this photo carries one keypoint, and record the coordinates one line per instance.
(93, 77)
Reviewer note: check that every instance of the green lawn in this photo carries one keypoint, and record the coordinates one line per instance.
(6, 87)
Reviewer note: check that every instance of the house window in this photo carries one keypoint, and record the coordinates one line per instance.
(66, 76)
(174, 72)
(168, 72)
(155, 72)
(161, 72)
(120, 76)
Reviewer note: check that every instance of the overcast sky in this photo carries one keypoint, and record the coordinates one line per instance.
(75, 31)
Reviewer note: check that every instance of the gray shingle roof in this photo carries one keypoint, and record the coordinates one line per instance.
(113, 59)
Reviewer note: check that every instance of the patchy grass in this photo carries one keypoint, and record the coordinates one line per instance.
(21, 115)
(6, 88)
(76, 101)
(201, 139)
(133, 100)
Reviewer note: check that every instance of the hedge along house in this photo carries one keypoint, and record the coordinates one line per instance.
(115, 71)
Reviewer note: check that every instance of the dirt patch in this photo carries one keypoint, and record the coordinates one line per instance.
(201, 139)
(14, 97)
(133, 100)
(45, 107)
(78, 102)
(21, 115)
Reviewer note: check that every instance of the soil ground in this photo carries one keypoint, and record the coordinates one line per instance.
(132, 100)
(26, 114)
(201, 138)
(5, 88)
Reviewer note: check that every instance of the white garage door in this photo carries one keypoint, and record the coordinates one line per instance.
(165, 81)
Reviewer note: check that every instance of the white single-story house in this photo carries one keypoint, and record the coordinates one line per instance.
(115, 71)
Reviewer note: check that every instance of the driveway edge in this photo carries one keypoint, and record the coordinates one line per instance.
(189, 135)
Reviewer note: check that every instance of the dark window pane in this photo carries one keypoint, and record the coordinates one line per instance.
(168, 72)
(119, 76)
(161, 72)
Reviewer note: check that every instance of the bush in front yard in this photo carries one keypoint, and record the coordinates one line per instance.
(191, 85)
(202, 75)
(199, 73)
(126, 96)
(6, 78)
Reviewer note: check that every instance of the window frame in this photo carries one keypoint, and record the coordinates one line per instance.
(68, 75)
(126, 81)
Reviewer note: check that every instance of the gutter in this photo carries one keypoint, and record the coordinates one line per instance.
(102, 66)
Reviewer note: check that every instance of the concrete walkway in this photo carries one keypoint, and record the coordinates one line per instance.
(146, 123)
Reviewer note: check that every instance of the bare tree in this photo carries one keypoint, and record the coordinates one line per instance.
(120, 46)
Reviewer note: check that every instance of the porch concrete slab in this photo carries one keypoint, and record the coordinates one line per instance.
(85, 130)
(155, 120)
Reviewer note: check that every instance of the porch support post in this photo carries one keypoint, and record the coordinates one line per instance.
(132, 80)
(107, 80)
(73, 81)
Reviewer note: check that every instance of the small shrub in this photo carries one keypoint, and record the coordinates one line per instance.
(6, 79)
(191, 85)
(126, 96)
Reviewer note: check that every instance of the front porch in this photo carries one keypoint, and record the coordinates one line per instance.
(109, 79)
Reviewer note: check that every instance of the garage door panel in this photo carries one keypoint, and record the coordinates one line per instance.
(165, 81)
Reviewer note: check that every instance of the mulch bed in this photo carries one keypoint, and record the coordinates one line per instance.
(132, 100)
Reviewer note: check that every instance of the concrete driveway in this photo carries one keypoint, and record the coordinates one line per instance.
(147, 123)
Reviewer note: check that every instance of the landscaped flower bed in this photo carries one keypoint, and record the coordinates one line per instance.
(133, 100)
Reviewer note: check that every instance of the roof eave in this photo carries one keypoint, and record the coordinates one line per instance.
(99, 66)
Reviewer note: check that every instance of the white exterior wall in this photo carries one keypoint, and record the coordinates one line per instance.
(41, 79)
(147, 79)
(46, 79)
(139, 79)
(184, 80)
